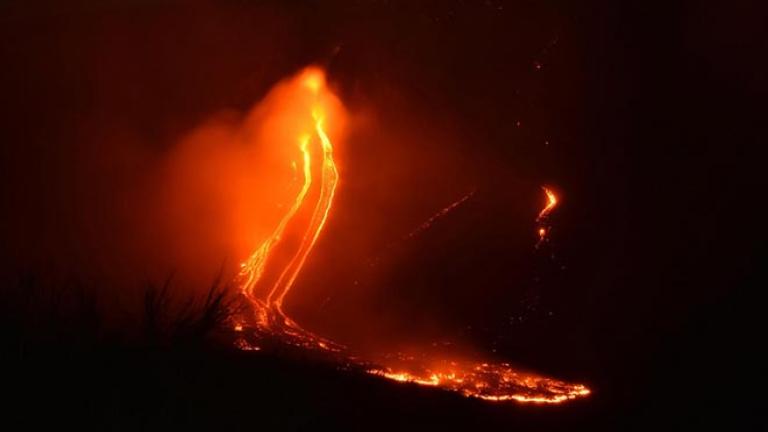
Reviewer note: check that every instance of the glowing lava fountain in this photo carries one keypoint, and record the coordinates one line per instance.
(543, 218)
(268, 274)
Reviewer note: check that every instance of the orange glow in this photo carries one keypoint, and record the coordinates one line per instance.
(313, 78)
(551, 203)
(308, 108)
(543, 228)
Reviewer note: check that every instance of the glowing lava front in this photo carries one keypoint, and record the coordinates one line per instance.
(491, 382)
(268, 274)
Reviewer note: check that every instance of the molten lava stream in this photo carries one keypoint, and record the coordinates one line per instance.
(269, 273)
(302, 220)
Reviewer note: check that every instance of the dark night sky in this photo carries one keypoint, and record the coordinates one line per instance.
(650, 112)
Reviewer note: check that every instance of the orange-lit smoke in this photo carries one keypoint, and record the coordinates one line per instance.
(237, 180)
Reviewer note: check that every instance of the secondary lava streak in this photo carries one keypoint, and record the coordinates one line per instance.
(268, 274)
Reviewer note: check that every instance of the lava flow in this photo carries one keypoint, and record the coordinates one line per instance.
(267, 276)
(266, 291)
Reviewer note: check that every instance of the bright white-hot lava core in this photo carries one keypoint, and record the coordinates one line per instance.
(268, 275)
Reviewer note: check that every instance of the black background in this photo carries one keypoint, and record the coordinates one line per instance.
(651, 117)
